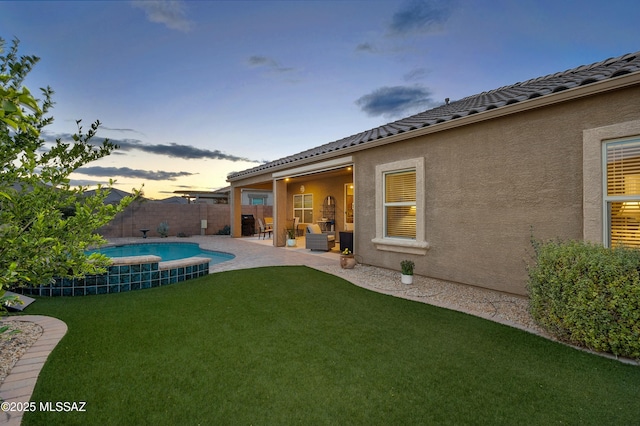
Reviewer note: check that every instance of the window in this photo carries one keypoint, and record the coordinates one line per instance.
(400, 204)
(400, 207)
(258, 198)
(303, 207)
(622, 192)
(595, 209)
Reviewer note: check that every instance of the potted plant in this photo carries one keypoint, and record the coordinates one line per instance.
(347, 259)
(407, 271)
(163, 229)
(291, 237)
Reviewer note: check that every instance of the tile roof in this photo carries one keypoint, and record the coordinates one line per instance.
(507, 95)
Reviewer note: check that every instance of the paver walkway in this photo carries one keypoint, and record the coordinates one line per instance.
(19, 384)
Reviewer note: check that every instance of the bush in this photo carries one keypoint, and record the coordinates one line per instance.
(225, 231)
(163, 229)
(588, 295)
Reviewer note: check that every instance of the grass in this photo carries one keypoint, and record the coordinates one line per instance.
(291, 345)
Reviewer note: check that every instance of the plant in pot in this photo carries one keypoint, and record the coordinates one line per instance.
(291, 237)
(407, 271)
(347, 259)
(163, 229)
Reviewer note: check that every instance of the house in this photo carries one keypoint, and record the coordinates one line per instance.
(461, 188)
(204, 197)
(114, 195)
(255, 197)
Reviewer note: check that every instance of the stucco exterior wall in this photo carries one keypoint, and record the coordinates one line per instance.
(490, 185)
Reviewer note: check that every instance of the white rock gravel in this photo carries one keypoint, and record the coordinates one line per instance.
(500, 307)
(14, 345)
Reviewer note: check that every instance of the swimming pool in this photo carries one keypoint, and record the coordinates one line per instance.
(166, 251)
(137, 267)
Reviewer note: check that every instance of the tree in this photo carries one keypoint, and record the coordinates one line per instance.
(45, 224)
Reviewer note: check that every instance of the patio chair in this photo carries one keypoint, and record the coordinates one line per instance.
(296, 222)
(317, 240)
(264, 229)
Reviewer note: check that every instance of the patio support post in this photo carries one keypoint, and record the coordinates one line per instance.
(235, 199)
(279, 212)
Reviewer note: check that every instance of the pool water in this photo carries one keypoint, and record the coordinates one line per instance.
(166, 251)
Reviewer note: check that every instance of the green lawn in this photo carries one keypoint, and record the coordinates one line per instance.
(291, 345)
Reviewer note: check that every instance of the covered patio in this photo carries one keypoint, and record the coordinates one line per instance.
(321, 194)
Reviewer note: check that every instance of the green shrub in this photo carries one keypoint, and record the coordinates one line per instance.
(225, 231)
(588, 295)
(163, 229)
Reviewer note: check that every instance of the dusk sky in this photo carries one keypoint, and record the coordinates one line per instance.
(193, 90)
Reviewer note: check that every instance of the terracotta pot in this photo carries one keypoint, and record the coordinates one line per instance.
(347, 261)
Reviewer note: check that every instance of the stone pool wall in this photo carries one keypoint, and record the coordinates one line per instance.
(127, 274)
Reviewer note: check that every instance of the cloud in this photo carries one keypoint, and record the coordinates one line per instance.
(171, 13)
(257, 61)
(366, 47)
(177, 151)
(416, 74)
(171, 150)
(112, 129)
(395, 101)
(127, 172)
(420, 16)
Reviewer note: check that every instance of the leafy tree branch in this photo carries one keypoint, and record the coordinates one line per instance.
(45, 224)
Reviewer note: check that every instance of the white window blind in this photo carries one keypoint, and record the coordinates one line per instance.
(623, 192)
(400, 204)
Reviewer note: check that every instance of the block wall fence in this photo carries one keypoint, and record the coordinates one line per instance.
(182, 219)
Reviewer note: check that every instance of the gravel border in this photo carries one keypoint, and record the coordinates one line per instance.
(504, 308)
(14, 345)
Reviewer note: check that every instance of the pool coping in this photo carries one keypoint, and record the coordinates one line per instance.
(130, 260)
(178, 263)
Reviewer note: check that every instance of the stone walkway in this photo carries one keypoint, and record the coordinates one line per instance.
(19, 384)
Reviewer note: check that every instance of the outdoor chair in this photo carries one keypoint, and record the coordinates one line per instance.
(317, 240)
(264, 229)
(296, 222)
